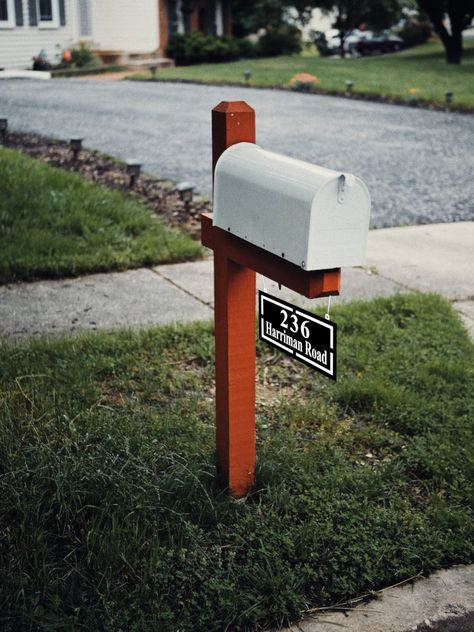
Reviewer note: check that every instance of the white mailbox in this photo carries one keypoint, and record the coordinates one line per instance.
(314, 217)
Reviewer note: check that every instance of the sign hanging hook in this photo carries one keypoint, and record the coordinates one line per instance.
(326, 315)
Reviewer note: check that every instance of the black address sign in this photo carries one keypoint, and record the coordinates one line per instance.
(299, 333)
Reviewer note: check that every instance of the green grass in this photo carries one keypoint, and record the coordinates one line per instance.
(87, 70)
(422, 68)
(110, 514)
(55, 224)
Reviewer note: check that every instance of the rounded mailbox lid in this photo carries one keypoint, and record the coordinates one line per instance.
(291, 208)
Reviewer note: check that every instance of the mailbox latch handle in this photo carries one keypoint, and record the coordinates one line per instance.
(341, 189)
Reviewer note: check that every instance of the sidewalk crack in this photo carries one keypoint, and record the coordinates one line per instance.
(179, 287)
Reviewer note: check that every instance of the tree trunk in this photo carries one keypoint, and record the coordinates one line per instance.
(342, 37)
(452, 42)
(453, 53)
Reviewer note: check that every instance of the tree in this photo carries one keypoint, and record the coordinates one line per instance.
(460, 14)
(351, 14)
(249, 16)
(252, 15)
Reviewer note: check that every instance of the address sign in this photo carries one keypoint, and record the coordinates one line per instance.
(299, 333)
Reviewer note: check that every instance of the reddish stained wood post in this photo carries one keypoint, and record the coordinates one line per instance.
(236, 262)
(234, 295)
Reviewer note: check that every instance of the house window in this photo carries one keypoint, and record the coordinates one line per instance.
(48, 14)
(45, 10)
(7, 18)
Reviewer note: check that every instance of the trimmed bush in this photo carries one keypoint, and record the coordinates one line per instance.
(247, 48)
(83, 56)
(283, 41)
(415, 32)
(197, 48)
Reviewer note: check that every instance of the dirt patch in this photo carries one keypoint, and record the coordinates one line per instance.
(157, 194)
(107, 76)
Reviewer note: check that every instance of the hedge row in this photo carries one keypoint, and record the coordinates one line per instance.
(198, 48)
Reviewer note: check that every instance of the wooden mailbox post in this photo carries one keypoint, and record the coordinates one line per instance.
(236, 262)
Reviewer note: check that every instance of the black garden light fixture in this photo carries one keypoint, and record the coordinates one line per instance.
(349, 85)
(449, 96)
(76, 146)
(153, 68)
(133, 171)
(247, 74)
(3, 129)
(185, 191)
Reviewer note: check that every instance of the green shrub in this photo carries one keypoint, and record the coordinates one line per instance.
(283, 41)
(415, 32)
(197, 48)
(247, 48)
(321, 43)
(83, 56)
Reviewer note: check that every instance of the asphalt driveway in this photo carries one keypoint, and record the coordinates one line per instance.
(418, 164)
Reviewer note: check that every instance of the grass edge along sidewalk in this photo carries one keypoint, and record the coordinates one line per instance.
(110, 516)
(416, 76)
(57, 224)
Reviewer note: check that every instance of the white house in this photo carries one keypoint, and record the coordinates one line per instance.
(111, 27)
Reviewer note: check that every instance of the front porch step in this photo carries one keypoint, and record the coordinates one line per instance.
(144, 64)
(134, 61)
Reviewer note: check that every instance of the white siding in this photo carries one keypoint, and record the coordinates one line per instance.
(84, 17)
(122, 25)
(219, 19)
(19, 44)
(131, 27)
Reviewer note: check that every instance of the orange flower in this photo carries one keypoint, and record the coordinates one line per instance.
(303, 77)
(413, 90)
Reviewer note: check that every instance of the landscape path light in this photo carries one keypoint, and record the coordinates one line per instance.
(449, 96)
(349, 85)
(185, 191)
(76, 146)
(133, 171)
(153, 68)
(3, 129)
(247, 74)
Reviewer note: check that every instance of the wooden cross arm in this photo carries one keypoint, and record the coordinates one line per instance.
(309, 283)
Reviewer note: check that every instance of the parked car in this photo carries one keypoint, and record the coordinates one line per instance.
(358, 43)
(370, 43)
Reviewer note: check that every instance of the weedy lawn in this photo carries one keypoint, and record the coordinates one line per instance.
(56, 224)
(418, 74)
(110, 514)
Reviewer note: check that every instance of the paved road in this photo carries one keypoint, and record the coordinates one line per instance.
(418, 164)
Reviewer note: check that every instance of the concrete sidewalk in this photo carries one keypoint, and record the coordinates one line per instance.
(433, 604)
(435, 258)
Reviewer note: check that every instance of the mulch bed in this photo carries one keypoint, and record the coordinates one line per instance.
(157, 194)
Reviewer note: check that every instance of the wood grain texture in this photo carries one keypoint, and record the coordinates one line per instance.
(234, 300)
